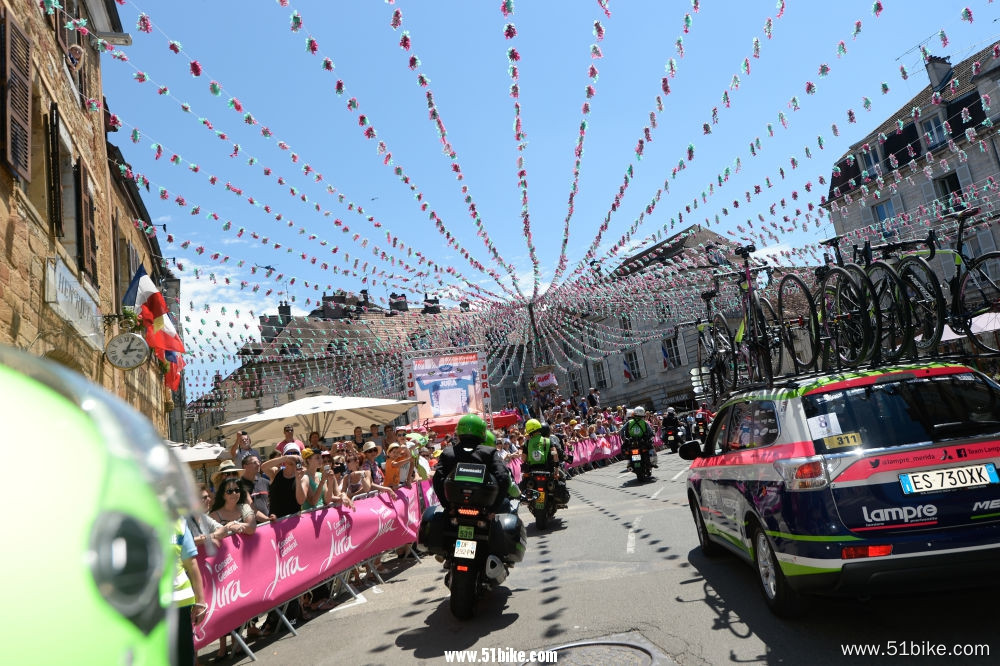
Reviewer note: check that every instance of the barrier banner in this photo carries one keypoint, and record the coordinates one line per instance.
(248, 576)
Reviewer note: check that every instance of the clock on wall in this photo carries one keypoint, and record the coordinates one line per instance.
(127, 350)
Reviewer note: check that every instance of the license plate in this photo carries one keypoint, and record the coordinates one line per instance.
(670, 438)
(466, 532)
(465, 549)
(637, 457)
(946, 479)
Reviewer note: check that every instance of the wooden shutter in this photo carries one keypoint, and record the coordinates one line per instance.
(54, 175)
(84, 224)
(17, 97)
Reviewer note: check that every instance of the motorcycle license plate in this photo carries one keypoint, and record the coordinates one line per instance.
(465, 550)
(466, 532)
(540, 502)
(636, 457)
(670, 438)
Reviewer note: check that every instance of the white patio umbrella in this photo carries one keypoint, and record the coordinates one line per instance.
(984, 323)
(329, 415)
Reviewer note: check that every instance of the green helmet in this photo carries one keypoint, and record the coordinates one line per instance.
(113, 570)
(471, 425)
(491, 439)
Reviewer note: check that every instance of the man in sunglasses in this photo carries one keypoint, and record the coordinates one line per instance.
(290, 445)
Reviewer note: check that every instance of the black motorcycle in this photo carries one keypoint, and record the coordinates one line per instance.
(672, 436)
(539, 490)
(700, 430)
(478, 549)
(639, 462)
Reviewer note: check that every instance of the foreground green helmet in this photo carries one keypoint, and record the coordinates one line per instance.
(110, 564)
(491, 439)
(471, 425)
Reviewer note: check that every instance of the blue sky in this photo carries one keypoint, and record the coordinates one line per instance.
(251, 51)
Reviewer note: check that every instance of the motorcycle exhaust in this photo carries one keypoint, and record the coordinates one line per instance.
(495, 570)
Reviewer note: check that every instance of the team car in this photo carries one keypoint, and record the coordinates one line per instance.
(854, 483)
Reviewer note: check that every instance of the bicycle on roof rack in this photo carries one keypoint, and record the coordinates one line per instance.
(973, 290)
(714, 346)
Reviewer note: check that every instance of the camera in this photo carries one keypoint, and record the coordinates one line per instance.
(326, 468)
(340, 468)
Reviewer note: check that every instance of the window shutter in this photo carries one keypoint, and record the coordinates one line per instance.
(964, 176)
(90, 231)
(929, 193)
(17, 81)
(986, 241)
(897, 205)
(867, 219)
(84, 92)
(55, 179)
(84, 221)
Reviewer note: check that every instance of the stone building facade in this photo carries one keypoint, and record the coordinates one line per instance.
(73, 227)
(923, 161)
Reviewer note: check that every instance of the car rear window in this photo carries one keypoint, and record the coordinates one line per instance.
(907, 411)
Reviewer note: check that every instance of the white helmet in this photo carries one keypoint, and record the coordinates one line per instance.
(639, 412)
(670, 410)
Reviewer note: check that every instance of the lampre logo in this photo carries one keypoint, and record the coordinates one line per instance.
(386, 521)
(223, 593)
(903, 514)
(284, 567)
(340, 541)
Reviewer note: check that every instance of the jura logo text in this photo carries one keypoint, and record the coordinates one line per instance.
(903, 514)
(986, 504)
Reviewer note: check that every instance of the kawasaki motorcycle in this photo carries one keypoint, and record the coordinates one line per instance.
(478, 549)
(540, 494)
(672, 437)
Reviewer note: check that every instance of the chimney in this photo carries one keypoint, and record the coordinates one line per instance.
(397, 303)
(284, 311)
(939, 71)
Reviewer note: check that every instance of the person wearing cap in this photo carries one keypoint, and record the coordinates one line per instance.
(398, 466)
(283, 472)
(370, 452)
(226, 469)
(289, 442)
(310, 487)
(241, 448)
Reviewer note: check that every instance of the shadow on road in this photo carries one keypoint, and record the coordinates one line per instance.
(729, 588)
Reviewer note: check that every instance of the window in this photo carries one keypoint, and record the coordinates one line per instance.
(600, 379)
(869, 162)
(980, 244)
(632, 365)
(765, 423)
(575, 384)
(947, 186)
(934, 131)
(904, 412)
(740, 431)
(884, 210)
(671, 354)
(508, 394)
(626, 326)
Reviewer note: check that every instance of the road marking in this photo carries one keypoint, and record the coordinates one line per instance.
(678, 474)
(658, 492)
(630, 541)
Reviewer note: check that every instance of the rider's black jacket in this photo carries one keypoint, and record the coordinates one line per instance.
(470, 452)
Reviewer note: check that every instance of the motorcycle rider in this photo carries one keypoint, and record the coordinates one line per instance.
(671, 421)
(541, 451)
(703, 417)
(638, 432)
(471, 448)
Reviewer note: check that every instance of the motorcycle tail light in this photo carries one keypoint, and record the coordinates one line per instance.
(468, 512)
(462, 567)
(635, 452)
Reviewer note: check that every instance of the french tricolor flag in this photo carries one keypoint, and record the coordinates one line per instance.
(628, 371)
(146, 299)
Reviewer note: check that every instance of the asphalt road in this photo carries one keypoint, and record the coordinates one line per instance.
(622, 566)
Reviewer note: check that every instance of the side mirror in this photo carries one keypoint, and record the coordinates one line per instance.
(690, 450)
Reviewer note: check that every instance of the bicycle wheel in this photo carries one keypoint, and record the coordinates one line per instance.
(871, 306)
(764, 355)
(723, 362)
(845, 316)
(797, 322)
(896, 328)
(978, 295)
(922, 291)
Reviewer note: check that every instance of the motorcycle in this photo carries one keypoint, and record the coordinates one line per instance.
(672, 437)
(640, 462)
(701, 430)
(478, 549)
(539, 490)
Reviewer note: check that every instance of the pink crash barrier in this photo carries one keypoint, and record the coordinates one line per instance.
(250, 576)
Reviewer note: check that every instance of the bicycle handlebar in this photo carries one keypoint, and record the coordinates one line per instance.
(888, 248)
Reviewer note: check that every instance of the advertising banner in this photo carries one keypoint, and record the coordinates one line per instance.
(248, 576)
(448, 384)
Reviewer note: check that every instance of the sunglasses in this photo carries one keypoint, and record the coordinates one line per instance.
(233, 491)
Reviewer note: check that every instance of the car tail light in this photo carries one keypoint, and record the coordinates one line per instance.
(803, 473)
(852, 552)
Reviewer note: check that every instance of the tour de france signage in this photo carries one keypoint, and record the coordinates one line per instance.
(68, 298)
